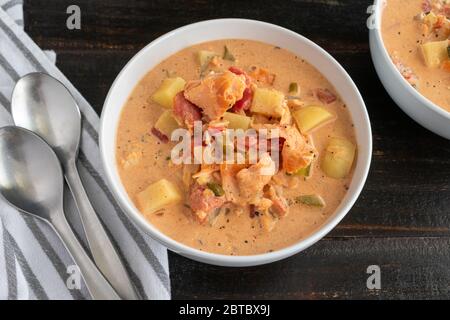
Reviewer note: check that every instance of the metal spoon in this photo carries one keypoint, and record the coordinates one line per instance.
(43, 105)
(31, 180)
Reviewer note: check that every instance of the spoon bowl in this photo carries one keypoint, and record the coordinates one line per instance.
(31, 178)
(43, 105)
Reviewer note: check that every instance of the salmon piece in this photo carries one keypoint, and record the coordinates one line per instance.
(441, 20)
(298, 151)
(216, 93)
(262, 75)
(251, 181)
(203, 202)
(184, 111)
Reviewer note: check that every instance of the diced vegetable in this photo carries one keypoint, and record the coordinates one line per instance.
(157, 196)
(311, 117)
(304, 172)
(166, 123)
(237, 121)
(161, 136)
(268, 221)
(236, 70)
(338, 158)
(312, 200)
(205, 57)
(185, 112)
(293, 98)
(268, 102)
(294, 89)
(325, 95)
(215, 188)
(227, 55)
(434, 53)
(170, 74)
(167, 91)
(245, 102)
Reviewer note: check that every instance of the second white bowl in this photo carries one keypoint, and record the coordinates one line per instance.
(419, 108)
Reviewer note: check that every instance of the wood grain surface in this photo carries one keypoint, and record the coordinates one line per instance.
(401, 221)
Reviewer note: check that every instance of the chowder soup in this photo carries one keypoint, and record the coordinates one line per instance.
(305, 156)
(415, 34)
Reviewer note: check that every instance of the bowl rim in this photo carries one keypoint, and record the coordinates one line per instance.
(376, 31)
(244, 260)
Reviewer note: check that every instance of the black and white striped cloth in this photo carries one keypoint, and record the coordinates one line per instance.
(33, 261)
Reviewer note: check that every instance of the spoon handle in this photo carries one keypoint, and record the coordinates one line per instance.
(96, 284)
(102, 249)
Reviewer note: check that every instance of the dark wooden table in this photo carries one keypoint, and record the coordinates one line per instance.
(401, 220)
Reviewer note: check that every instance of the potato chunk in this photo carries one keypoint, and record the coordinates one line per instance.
(166, 123)
(434, 53)
(312, 117)
(158, 195)
(268, 102)
(167, 91)
(338, 158)
(237, 121)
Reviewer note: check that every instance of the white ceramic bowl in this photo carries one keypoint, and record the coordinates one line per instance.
(195, 33)
(419, 108)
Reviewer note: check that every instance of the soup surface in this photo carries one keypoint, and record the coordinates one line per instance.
(236, 209)
(415, 33)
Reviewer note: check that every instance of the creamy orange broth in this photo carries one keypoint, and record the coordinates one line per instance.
(232, 234)
(402, 36)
